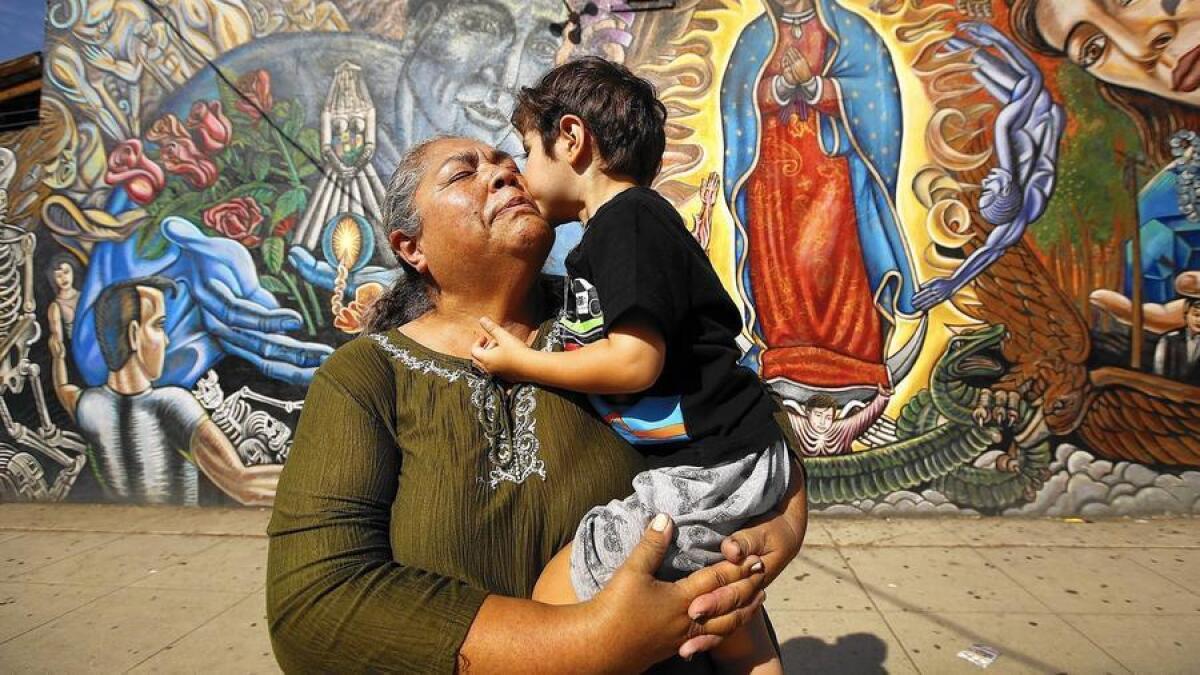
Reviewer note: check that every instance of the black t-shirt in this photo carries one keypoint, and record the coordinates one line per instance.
(637, 256)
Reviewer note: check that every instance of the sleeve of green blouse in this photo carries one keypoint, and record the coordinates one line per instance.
(337, 601)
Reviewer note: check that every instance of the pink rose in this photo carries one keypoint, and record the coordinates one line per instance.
(181, 157)
(212, 127)
(128, 166)
(237, 219)
(255, 86)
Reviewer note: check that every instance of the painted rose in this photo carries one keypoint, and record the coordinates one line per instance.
(255, 86)
(212, 128)
(130, 167)
(181, 157)
(351, 318)
(165, 128)
(237, 219)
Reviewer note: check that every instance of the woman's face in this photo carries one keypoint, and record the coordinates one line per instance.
(475, 208)
(1149, 45)
(64, 277)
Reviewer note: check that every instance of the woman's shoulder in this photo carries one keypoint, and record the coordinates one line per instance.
(360, 366)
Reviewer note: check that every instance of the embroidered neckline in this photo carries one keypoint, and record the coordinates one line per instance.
(514, 451)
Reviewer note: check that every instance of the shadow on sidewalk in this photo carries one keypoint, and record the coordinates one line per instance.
(853, 653)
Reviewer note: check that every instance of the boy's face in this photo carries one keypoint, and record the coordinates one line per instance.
(821, 419)
(549, 179)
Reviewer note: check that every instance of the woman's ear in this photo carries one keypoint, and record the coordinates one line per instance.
(409, 250)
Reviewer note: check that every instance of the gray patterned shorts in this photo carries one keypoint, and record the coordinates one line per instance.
(707, 503)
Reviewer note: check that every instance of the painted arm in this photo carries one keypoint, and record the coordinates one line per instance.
(67, 393)
(628, 361)
(214, 454)
(849, 428)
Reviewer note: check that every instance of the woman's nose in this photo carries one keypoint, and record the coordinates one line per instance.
(1144, 41)
(504, 177)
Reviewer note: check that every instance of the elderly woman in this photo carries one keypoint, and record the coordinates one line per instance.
(422, 499)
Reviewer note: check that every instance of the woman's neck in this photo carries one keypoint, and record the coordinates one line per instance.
(453, 325)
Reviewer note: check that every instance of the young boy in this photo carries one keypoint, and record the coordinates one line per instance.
(649, 332)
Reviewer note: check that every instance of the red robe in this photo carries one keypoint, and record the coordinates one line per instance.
(811, 292)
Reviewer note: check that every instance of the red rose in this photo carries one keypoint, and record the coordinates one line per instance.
(237, 219)
(181, 157)
(255, 86)
(211, 125)
(142, 178)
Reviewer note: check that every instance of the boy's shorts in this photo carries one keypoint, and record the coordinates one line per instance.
(707, 503)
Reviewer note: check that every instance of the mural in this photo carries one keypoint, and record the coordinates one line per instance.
(964, 234)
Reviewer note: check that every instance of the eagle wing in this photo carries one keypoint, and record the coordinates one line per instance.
(1018, 292)
(1142, 418)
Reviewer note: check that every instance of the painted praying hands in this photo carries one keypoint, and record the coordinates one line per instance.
(1027, 134)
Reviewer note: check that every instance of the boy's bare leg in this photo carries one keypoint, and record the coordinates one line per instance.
(554, 587)
(749, 650)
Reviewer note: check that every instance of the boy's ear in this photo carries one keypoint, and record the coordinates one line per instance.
(573, 137)
(409, 250)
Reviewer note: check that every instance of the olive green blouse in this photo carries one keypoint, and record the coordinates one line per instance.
(415, 487)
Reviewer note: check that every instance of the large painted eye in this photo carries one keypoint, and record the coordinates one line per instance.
(1093, 50)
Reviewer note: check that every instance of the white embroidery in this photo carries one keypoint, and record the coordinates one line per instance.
(426, 366)
(514, 454)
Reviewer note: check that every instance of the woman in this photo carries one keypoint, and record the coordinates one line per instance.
(61, 273)
(1146, 55)
(421, 499)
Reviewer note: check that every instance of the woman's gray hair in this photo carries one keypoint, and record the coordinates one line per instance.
(412, 294)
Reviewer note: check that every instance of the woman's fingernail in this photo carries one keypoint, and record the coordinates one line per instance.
(659, 524)
(757, 567)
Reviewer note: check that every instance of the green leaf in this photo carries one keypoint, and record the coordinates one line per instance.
(292, 201)
(310, 140)
(272, 253)
(260, 166)
(273, 284)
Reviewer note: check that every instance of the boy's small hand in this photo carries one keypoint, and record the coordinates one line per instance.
(497, 350)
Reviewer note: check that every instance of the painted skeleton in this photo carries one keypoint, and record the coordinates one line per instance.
(18, 331)
(258, 437)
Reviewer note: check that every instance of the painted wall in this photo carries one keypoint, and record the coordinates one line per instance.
(926, 211)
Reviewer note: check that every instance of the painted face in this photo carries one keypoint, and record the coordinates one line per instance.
(821, 419)
(60, 170)
(1192, 318)
(1149, 45)
(150, 334)
(64, 277)
(475, 207)
(471, 57)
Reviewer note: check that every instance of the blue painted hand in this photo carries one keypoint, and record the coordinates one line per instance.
(220, 309)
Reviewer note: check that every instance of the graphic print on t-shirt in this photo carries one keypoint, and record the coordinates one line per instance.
(645, 419)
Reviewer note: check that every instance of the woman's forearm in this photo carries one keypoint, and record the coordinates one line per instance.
(516, 635)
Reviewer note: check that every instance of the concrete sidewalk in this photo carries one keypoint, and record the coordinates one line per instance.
(112, 589)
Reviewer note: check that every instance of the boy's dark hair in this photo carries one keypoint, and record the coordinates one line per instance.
(1192, 303)
(620, 109)
(118, 306)
(820, 401)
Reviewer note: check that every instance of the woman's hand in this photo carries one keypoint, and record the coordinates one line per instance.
(652, 617)
(634, 623)
(774, 537)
